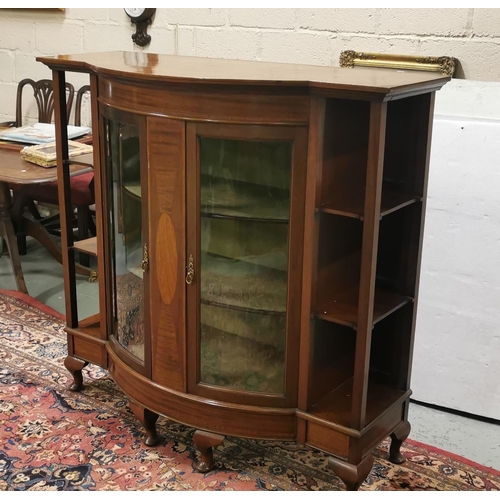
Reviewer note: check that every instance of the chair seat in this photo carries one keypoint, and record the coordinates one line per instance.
(80, 187)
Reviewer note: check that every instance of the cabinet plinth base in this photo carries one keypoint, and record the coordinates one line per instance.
(397, 438)
(352, 475)
(204, 442)
(75, 367)
(148, 419)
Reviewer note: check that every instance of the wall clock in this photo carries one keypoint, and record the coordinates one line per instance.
(141, 18)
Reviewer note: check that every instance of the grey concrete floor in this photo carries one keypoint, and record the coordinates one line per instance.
(476, 440)
(44, 280)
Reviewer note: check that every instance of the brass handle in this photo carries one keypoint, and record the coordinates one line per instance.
(145, 259)
(190, 270)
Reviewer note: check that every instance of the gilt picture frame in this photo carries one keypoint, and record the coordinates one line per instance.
(446, 65)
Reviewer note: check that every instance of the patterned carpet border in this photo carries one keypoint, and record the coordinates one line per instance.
(54, 439)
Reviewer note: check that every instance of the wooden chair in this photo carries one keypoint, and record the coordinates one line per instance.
(82, 196)
(44, 99)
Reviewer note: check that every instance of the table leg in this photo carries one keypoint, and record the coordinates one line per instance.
(37, 231)
(7, 229)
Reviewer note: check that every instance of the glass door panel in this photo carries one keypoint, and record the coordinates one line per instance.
(125, 215)
(244, 232)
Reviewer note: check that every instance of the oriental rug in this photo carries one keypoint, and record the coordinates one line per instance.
(55, 439)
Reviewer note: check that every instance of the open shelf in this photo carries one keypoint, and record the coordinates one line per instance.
(336, 406)
(343, 308)
(88, 246)
(354, 206)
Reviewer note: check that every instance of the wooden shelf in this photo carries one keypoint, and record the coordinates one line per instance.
(354, 207)
(343, 309)
(88, 331)
(88, 246)
(336, 406)
(90, 321)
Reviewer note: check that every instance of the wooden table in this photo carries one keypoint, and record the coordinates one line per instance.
(16, 171)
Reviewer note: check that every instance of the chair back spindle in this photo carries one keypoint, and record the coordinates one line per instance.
(78, 104)
(44, 97)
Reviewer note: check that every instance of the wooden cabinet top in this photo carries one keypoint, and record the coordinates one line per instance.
(370, 83)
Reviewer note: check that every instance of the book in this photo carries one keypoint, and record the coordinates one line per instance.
(45, 155)
(40, 133)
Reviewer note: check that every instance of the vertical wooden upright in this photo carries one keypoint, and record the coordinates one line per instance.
(373, 194)
(64, 191)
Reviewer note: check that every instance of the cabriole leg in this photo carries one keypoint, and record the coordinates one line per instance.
(75, 367)
(204, 442)
(397, 438)
(352, 475)
(148, 419)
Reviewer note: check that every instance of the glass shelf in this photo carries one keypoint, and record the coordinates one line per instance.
(134, 188)
(245, 285)
(236, 199)
(240, 362)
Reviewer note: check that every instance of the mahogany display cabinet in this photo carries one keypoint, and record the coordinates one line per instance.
(259, 234)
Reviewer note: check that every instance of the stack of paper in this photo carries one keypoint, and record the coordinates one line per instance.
(40, 133)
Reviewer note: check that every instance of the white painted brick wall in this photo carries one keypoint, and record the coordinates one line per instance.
(278, 19)
(374, 43)
(192, 17)
(92, 15)
(300, 48)
(339, 20)
(486, 22)
(7, 65)
(185, 41)
(27, 67)
(424, 22)
(7, 101)
(478, 56)
(48, 37)
(305, 35)
(17, 35)
(227, 43)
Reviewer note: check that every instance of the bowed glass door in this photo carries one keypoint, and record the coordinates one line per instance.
(241, 263)
(128, 248)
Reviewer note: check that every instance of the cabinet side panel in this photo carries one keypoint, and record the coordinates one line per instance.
(166, 208)
(90, 350)
(327, 440)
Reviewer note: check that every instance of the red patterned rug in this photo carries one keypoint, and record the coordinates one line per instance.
(54, 439)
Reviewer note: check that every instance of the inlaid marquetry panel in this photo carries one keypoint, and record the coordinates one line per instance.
(166, 258)
(166, 166)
